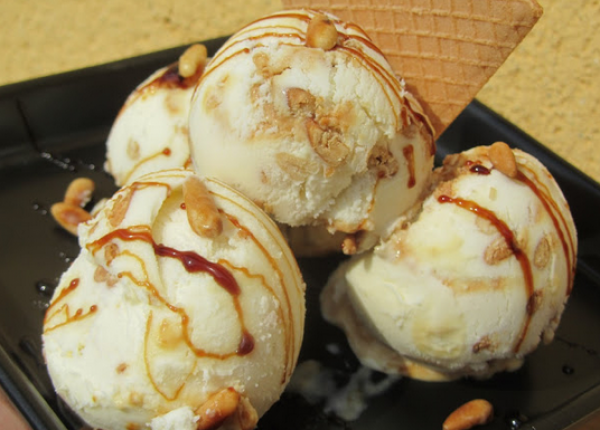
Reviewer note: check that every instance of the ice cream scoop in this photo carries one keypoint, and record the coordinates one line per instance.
(470, 282)
(184, 309)
(151, 131)
(301, 112)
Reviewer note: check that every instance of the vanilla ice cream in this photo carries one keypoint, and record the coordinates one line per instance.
(469, 283)
(151, 131)
(302, 113)
(185, 308)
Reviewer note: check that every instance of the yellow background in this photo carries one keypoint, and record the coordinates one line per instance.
(548, 87)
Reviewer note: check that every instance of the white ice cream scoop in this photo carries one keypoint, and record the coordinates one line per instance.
(184, 306)
(470, 282)
(150, 132)
(302, 113)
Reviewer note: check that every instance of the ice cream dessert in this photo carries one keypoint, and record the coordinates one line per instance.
(302, 113)
(150, 132)
(184, 309)
(470, 281)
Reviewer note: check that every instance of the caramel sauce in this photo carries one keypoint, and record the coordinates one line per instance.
(213, 68)
(164, 153)
(409, 156)
(479, 169)
(64, 293)
(148, 366)
(383, 76)
(193, 263)
(172, 80)
(300, 16)
(290, 339)
(559, 224)
(77, 316)
(169, 79)
(511, 242)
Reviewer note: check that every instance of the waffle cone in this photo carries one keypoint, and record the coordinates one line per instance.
(446, 50)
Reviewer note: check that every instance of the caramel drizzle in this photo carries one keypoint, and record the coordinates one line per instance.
(148, 367)
(192, 262)
(77, 316)
(165, 152)
(409, 155)
(169, 79)
(561, 226)
(290, 339)
(385, 78)
(511, 242)
(63, 293)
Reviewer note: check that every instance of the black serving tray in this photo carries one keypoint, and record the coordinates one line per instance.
(53, 129)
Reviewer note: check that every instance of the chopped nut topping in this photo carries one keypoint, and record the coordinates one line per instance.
(473, 413)
(321, 33)
(133, 149)
(497, 251)
(217, 408)
(349, 245)
(202, 212)
(327, 144)
(111, 251)
(100, 274)
(261, 62)
(301, 101)
(103, 275)
(503, 159)
(247, 416)
(117, 213)
(541, 255)
(79, 192)
(484, 343)
(69, 216)
(535, 301)
(383, 161)
(193, 58)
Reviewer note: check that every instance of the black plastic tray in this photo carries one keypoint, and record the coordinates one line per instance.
(53, 130)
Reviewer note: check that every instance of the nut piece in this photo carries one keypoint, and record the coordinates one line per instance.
(217, 408)
(497, 251)
(69, 216)
(119, 209)
(383, 162)
(193, 58)
(542, 253)
(326, 143)
(503, 159)
(246, 415)
(301, 101)
(202, 213)
(79, 192)
(473, 413)
(321, 33)
(349, 245)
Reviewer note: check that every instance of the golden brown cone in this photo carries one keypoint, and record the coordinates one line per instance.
(446, 50)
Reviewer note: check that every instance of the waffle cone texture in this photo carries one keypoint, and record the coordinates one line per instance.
(445, 50)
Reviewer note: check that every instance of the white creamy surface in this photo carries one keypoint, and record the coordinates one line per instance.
(151, 131)
(433, 294)
(246, 130)
(131, 335)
